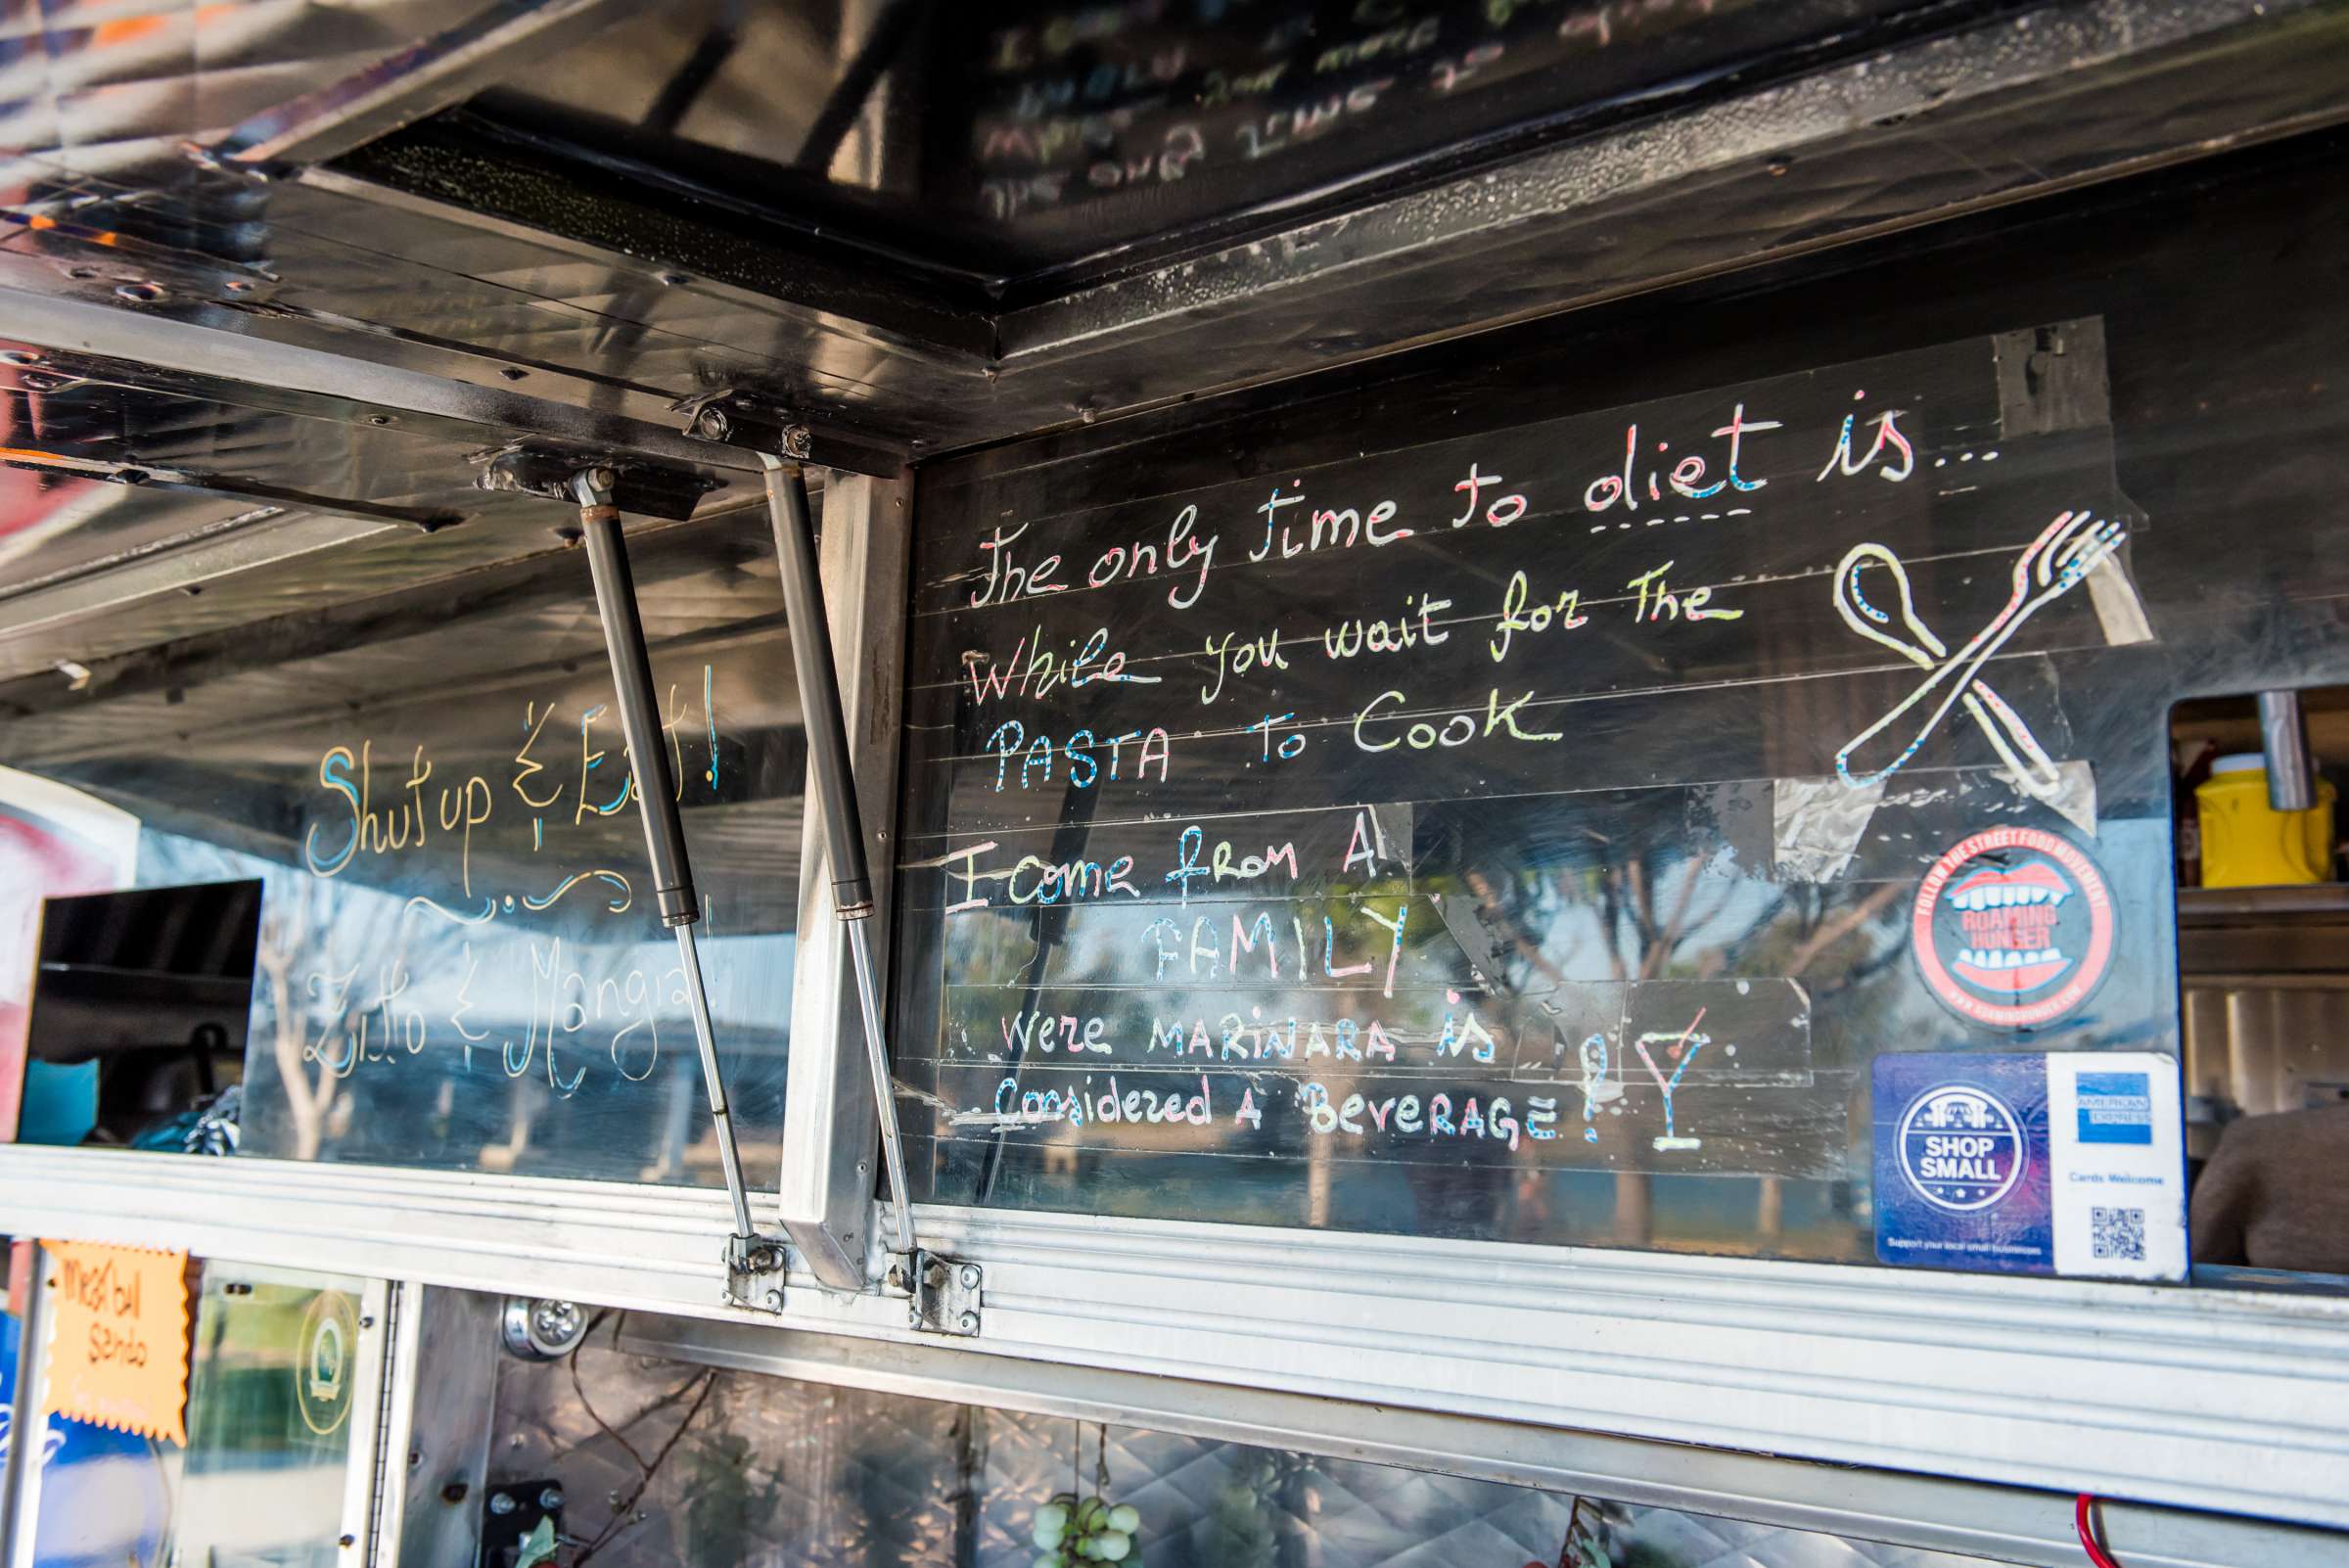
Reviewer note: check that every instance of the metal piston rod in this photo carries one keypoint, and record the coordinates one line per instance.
(656, 798)
(835, 791)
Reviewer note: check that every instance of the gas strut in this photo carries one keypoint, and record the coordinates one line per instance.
(747, 1252)
(835, 790)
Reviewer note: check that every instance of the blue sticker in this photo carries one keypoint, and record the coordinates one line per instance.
(2115, 1108)
(1962, 1162)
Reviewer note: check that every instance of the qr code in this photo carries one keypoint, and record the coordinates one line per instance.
(2117, 1233)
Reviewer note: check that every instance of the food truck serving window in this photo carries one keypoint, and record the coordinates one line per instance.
(1697, 780)
(458, 961)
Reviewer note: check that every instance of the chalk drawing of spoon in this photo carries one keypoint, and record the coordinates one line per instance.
(2054, 564)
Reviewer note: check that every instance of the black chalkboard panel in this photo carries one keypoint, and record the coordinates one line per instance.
(1085, 125)
(1275, 767)
(1292, 818)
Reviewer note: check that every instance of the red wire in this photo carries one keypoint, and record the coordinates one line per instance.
(2087, 1527)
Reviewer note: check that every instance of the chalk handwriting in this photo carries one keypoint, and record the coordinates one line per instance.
(2051, 566)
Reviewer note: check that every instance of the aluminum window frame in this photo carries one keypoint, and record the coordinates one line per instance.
(2231, 1402)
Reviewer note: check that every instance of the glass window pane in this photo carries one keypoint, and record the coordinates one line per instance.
(1697, 776)
(662, 1464)
(458, 961)
(274, 1394)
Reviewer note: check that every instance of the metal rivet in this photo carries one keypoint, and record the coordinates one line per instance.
(970, 1276)
(379, 419)
(970, 1322)
(674, 279)
(454, 1492)
(774, 1301)
(139, 292)
(348, 1541)
(1780, 165)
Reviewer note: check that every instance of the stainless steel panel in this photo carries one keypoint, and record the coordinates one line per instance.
(451, 1385)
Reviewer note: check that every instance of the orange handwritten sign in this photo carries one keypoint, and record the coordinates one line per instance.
(119, 1356)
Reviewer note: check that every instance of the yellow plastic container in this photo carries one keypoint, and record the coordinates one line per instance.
(2246, 843)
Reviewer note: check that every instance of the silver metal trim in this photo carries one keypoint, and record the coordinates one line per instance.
(826, 1190)
(1922, 1511)
(28, 1423)
(2234, 1401)
(410, 84)
(224, 347)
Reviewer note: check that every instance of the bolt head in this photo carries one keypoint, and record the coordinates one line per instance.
(714, 423)
(501, 1503)
(969, 1322)
(551, 1498)
(774, 1301)
(970, 1276)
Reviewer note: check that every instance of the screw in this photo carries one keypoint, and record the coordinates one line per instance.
(454, 1492)
(674, 279)
(774, 1301)
(602, 478)
(551, 1498)
(140, 292)
(970, 1276)
(714, 423)
(347, 1540)
(969, 1322)
(1779, 165)
(379, 419)
(502, 1504)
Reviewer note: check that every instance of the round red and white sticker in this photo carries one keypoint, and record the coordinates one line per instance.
(2014, 927)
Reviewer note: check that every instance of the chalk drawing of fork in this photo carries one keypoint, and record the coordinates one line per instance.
(2050, 566)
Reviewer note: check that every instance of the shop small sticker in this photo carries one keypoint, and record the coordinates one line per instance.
(1961, 1148)
(2014, 927)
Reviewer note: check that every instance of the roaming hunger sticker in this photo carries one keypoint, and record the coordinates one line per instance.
(2014, 927)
